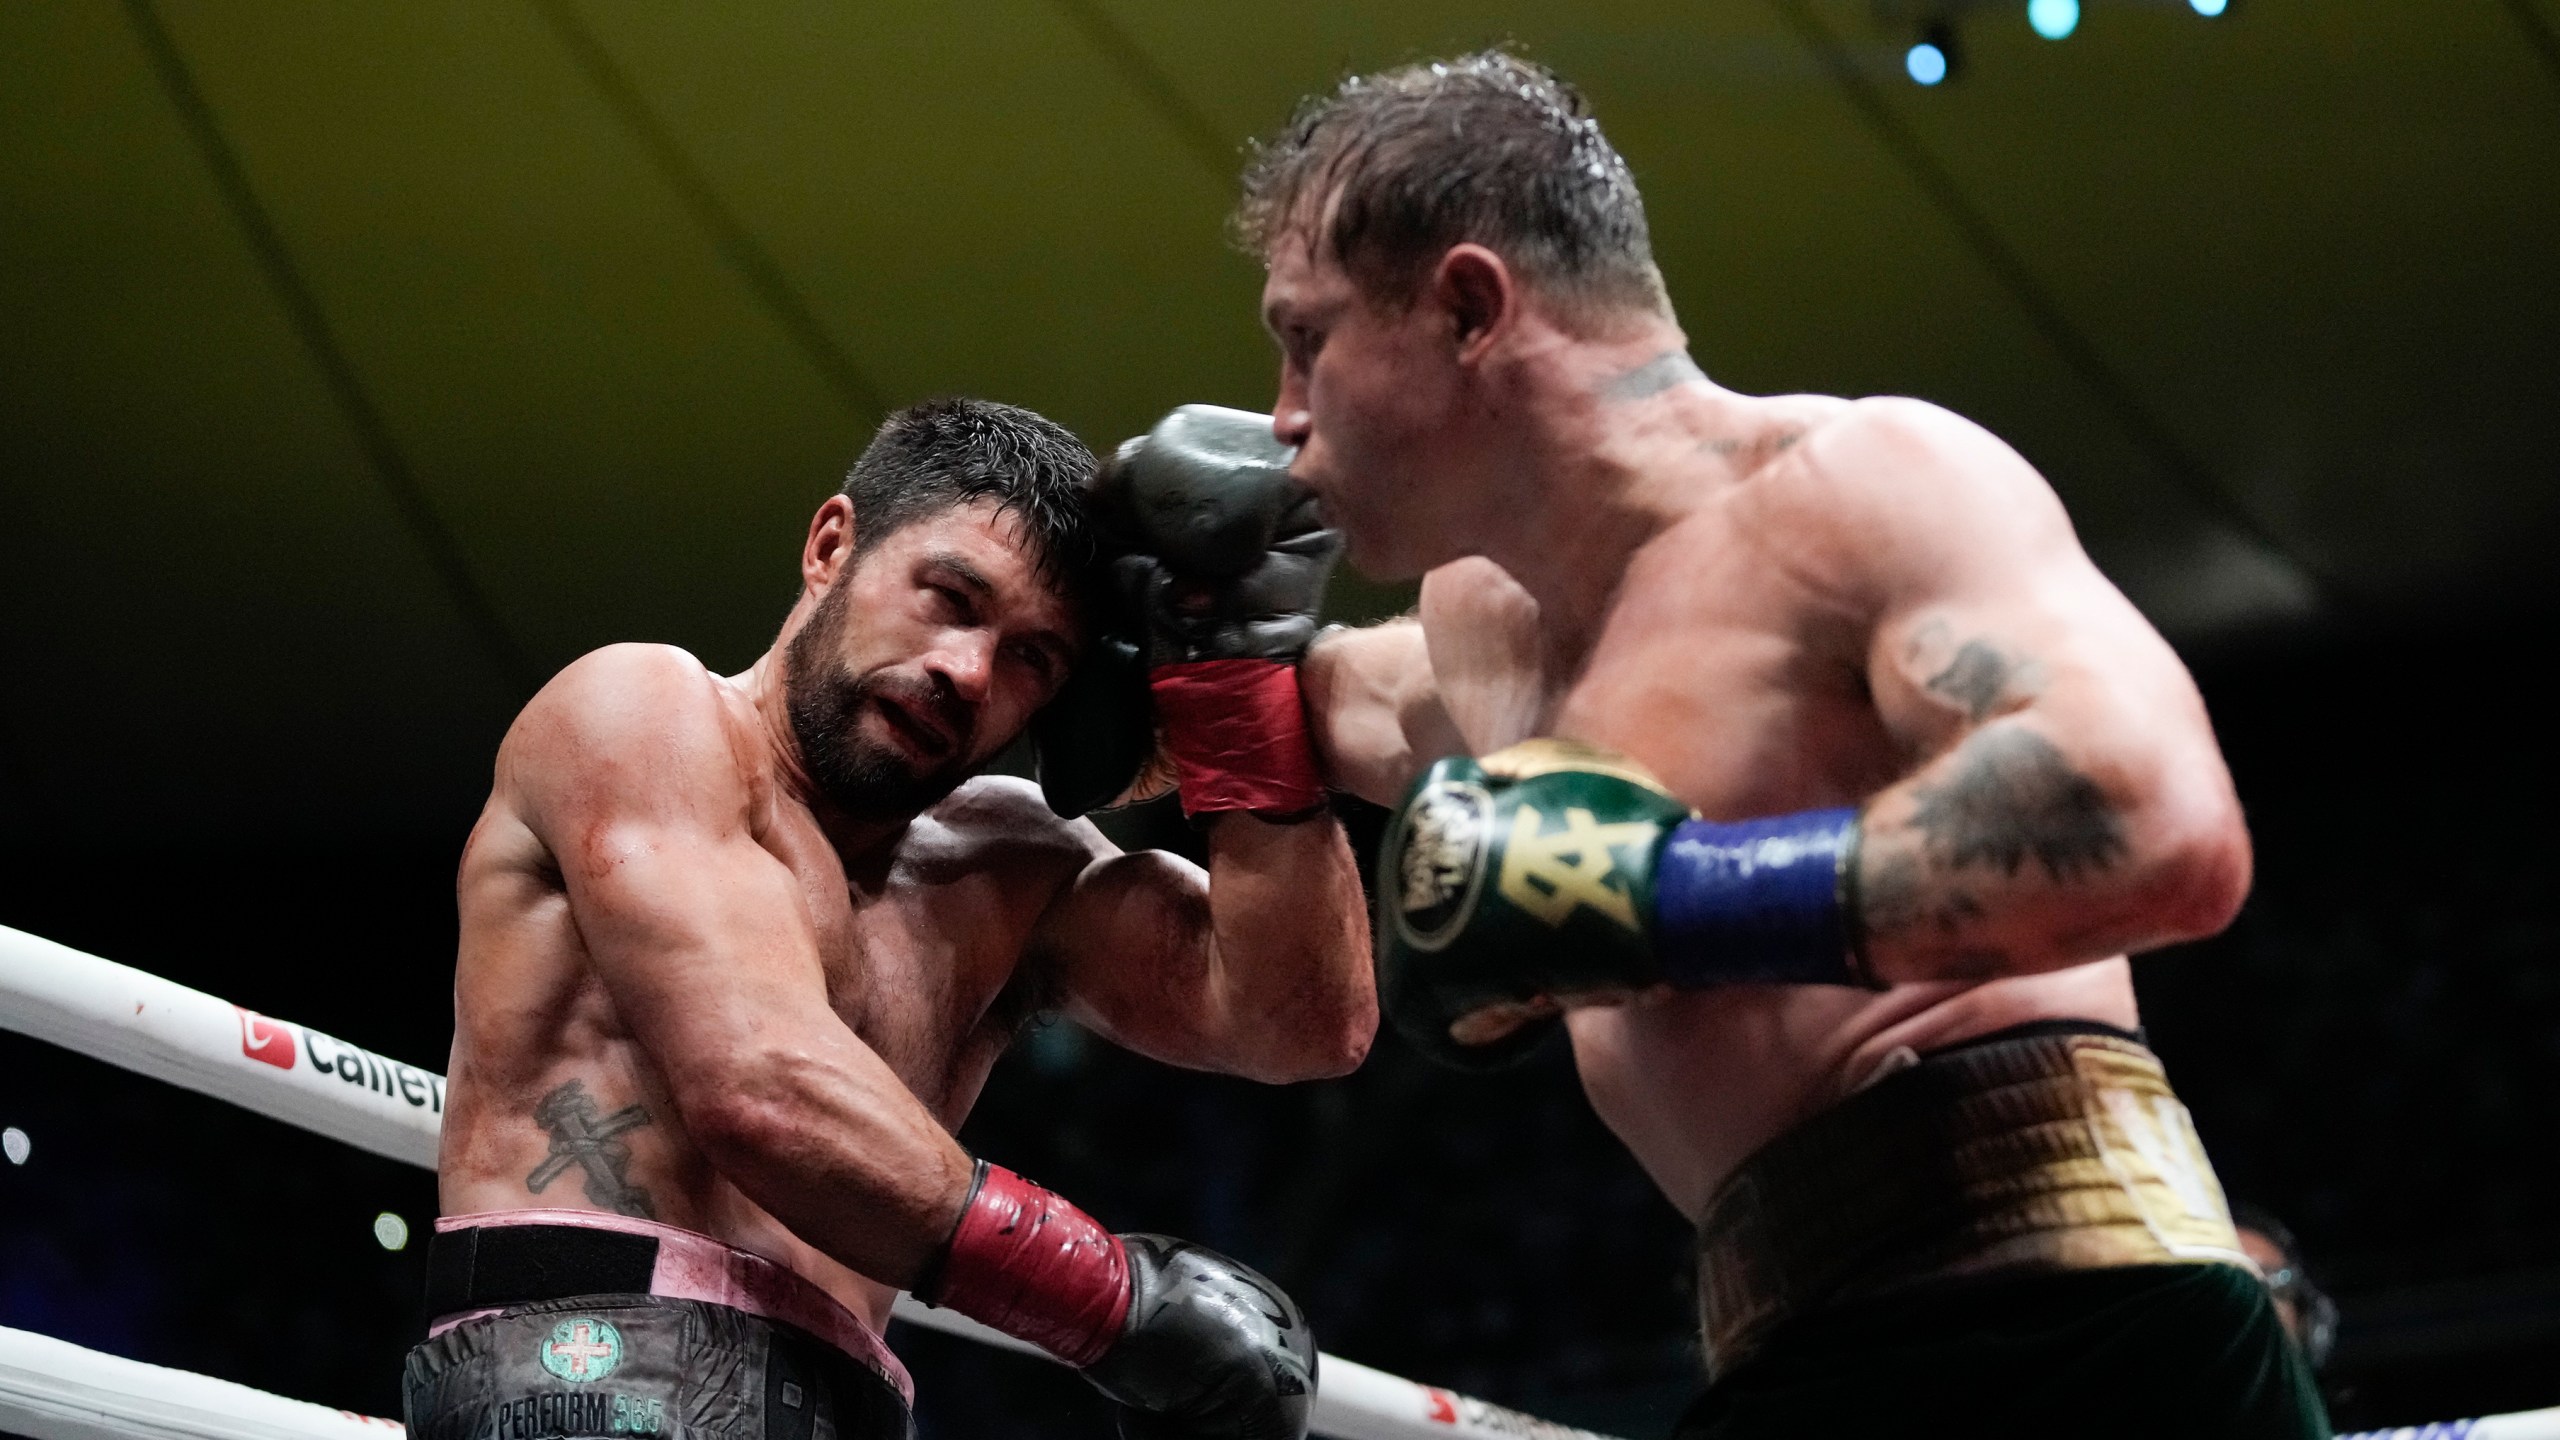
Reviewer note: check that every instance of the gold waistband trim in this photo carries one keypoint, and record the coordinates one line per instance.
(2042, 1153)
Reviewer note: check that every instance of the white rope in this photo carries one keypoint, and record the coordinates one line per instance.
(2524, 1425)
(164, 1030)
(53, 1390)
(301, 1076)
(56, 1391)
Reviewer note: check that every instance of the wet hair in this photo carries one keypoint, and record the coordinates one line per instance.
(1488, 148)
(946, 453)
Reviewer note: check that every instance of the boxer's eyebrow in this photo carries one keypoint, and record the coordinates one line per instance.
(968, 576)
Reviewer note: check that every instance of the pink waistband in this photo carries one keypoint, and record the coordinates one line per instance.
(696, 1267)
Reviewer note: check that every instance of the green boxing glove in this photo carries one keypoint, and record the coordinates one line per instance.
(1555, 873)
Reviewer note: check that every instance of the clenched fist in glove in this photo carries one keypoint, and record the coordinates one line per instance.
(1225, 564)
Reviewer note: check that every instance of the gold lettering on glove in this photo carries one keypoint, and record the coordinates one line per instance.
(1551, 875)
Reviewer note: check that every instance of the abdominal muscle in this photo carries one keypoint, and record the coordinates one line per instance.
(488, 1164)
(532, 1017)
(1694, 1082)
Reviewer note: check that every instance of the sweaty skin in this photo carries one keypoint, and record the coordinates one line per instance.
(1774, 604)
(692, 989)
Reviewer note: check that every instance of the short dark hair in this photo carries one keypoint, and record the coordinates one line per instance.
(945, 453)
(1488, 148)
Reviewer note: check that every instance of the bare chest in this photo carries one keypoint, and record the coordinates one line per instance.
(924, 960)
(1738, 689)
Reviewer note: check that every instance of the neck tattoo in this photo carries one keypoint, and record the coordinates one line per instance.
(1662, 372)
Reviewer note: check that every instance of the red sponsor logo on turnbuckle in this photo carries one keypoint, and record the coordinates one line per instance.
(265, 1040)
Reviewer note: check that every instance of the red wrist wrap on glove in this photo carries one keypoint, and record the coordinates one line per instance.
(1037, 1268)
(1237, 733)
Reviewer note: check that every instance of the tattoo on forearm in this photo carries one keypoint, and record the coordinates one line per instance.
(1662, 372)
(582, 1137)
(1894, 895)
(2013, 796)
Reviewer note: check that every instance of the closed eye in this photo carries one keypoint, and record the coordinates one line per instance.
(1037, 657)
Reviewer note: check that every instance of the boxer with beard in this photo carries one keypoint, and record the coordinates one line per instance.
(738, 953)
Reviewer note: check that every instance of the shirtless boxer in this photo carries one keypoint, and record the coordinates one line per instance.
(738, 953)
(1868, 1023)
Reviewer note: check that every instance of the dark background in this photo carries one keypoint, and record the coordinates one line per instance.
(360, 366)
(2372, 1052)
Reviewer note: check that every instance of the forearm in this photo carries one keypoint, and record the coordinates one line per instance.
(2017, 852)
(826, 1138)
(1289, 980)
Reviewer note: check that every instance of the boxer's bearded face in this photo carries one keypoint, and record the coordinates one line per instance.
(927, 656)
(1378, 389)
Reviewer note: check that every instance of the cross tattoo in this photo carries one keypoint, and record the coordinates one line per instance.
(580, 1137)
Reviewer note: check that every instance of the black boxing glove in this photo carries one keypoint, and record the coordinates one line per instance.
(1194, 1345)
(1089, 743)
(1227, 565)
(1212, 1350)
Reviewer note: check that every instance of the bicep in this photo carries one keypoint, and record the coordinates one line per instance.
(1128, 943)
(1983, 603)
(649, 821)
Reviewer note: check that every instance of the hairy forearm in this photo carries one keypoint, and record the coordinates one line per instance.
(2011, 854)
(1289, 948)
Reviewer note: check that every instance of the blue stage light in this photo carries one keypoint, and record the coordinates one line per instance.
(2054, 19)
(2209, 7)
(1927, 64)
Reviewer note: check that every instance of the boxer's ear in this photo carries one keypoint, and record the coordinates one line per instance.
(829, 547)
(1481, 297)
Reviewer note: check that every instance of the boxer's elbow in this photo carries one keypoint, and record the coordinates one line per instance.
(1322, 1041)
(1335, 1050)
(2198, 863)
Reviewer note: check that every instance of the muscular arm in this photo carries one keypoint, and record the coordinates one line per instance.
(1385, 701)
(624, 767)
(1374, 708)
(1259, 968)
(2068, 802)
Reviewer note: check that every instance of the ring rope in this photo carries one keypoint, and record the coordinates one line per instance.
(127, 1017)
(54, 1390)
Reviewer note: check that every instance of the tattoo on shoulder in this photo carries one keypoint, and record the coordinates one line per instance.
(581, 1136)
(1662, 372)
(2013, 796)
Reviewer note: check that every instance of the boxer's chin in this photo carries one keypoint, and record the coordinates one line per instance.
(1378, 555)
(865, 777)
(870, 780)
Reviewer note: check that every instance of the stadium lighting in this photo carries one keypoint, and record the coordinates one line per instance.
(2056, 19)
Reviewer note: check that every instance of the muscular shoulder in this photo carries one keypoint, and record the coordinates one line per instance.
(1002, 821)
(629, 722)
(1889, 453)
(1892, 488)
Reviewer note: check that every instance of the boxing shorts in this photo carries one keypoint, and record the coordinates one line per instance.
(2022, 1222)
(554, 1323)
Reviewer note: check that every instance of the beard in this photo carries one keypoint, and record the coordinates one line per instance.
(826, 700)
